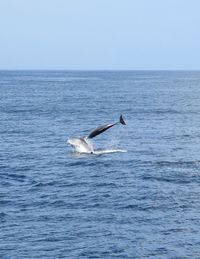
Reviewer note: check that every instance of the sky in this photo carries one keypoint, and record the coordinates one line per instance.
(100, 34)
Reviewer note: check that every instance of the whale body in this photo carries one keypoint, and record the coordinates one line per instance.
(82, 145)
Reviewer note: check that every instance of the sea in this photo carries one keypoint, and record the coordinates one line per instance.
(139, 197)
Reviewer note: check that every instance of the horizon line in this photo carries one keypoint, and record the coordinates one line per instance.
(103, 70)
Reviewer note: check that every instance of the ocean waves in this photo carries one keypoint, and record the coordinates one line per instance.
(137, 197)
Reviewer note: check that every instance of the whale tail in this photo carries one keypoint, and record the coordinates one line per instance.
(121, 120)
(105, 127)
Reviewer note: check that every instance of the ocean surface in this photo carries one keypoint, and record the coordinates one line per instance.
(140, 203)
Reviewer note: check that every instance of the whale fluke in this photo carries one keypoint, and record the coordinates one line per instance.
(121, 120)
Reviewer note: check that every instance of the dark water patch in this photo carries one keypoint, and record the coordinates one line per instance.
(173, 178)
(179, 163)
(14, 176)
(59, 203)
(6, 202)
(82, 163)
(144, 207)
(3, 217)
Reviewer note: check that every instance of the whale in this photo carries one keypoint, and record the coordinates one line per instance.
(83, 145)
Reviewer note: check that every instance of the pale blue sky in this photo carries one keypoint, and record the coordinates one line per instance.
(100, 34)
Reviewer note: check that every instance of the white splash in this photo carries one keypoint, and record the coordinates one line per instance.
(84, 146)
(108, 151)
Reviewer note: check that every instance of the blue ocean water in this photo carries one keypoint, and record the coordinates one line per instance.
(143, 203)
